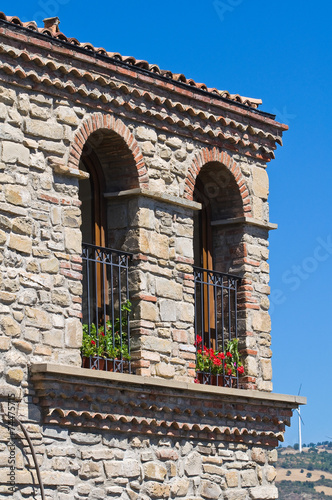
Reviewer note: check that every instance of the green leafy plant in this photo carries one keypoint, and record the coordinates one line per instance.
(93, 344)
(219, 362)
(103, 343)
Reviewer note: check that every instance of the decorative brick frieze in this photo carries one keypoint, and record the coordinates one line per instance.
(133, 404)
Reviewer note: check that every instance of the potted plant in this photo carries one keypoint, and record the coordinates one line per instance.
(102, 345)
(217, 367)
(93, 348)
(117, 345)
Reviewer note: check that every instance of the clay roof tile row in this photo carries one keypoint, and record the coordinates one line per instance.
(89, 419)
(51, 29)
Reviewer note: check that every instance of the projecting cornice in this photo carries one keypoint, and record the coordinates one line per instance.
(79, 397)
(163, 197)
(247, 221)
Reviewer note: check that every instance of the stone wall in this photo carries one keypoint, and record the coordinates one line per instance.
(100, 465)
(40, 238)
(41, 241)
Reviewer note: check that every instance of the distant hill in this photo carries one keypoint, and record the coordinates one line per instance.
(306, 475)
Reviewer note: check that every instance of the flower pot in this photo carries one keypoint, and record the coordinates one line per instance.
(121, 366)
(100, 365)
(230, 381)
(206, 378)
(85, 362)
(210, 379)
(92, 363)
(218, 380)
(109, 365)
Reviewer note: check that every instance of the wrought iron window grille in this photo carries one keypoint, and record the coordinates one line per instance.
(106, 309)
(216, 324)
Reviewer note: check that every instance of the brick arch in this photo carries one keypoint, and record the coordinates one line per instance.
(99, 121)
(207, 155)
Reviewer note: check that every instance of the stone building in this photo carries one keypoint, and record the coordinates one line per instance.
(170, 175)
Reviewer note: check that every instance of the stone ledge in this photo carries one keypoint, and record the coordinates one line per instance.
(114, 402)
(59, 168)
(166, 198)
(241, 395)
(249, 221)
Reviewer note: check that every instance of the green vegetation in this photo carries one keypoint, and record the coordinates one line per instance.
(311, 460)
(110, 342)
(298, 490)
(308, 462)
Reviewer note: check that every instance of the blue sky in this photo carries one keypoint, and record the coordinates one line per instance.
(280, 52)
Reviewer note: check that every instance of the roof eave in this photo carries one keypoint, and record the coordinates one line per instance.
(254, 112)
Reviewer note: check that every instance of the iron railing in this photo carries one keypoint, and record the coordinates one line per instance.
(216, 323)
(106, 309)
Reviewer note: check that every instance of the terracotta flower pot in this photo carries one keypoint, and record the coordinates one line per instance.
(100, 366)
(218, 380)
(85, 362)
(210, 379)
(206, 378)
(109, 365)
(92, 362)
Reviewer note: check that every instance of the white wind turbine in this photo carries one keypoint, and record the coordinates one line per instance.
(300, 422)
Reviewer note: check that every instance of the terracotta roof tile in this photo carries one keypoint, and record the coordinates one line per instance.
(51, 29)
(88, 419)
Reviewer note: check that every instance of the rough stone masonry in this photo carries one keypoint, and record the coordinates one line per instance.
(156, 137)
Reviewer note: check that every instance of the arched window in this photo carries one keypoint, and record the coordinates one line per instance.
(105, 224)
(216, 244)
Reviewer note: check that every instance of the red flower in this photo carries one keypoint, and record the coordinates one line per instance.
(229, 354)
(199, 351)
(93, 342)
(216, 361)
(229, 371)
(240, 369)
(221, 355)
(196, 381)
(102, 333)
(199, 339)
